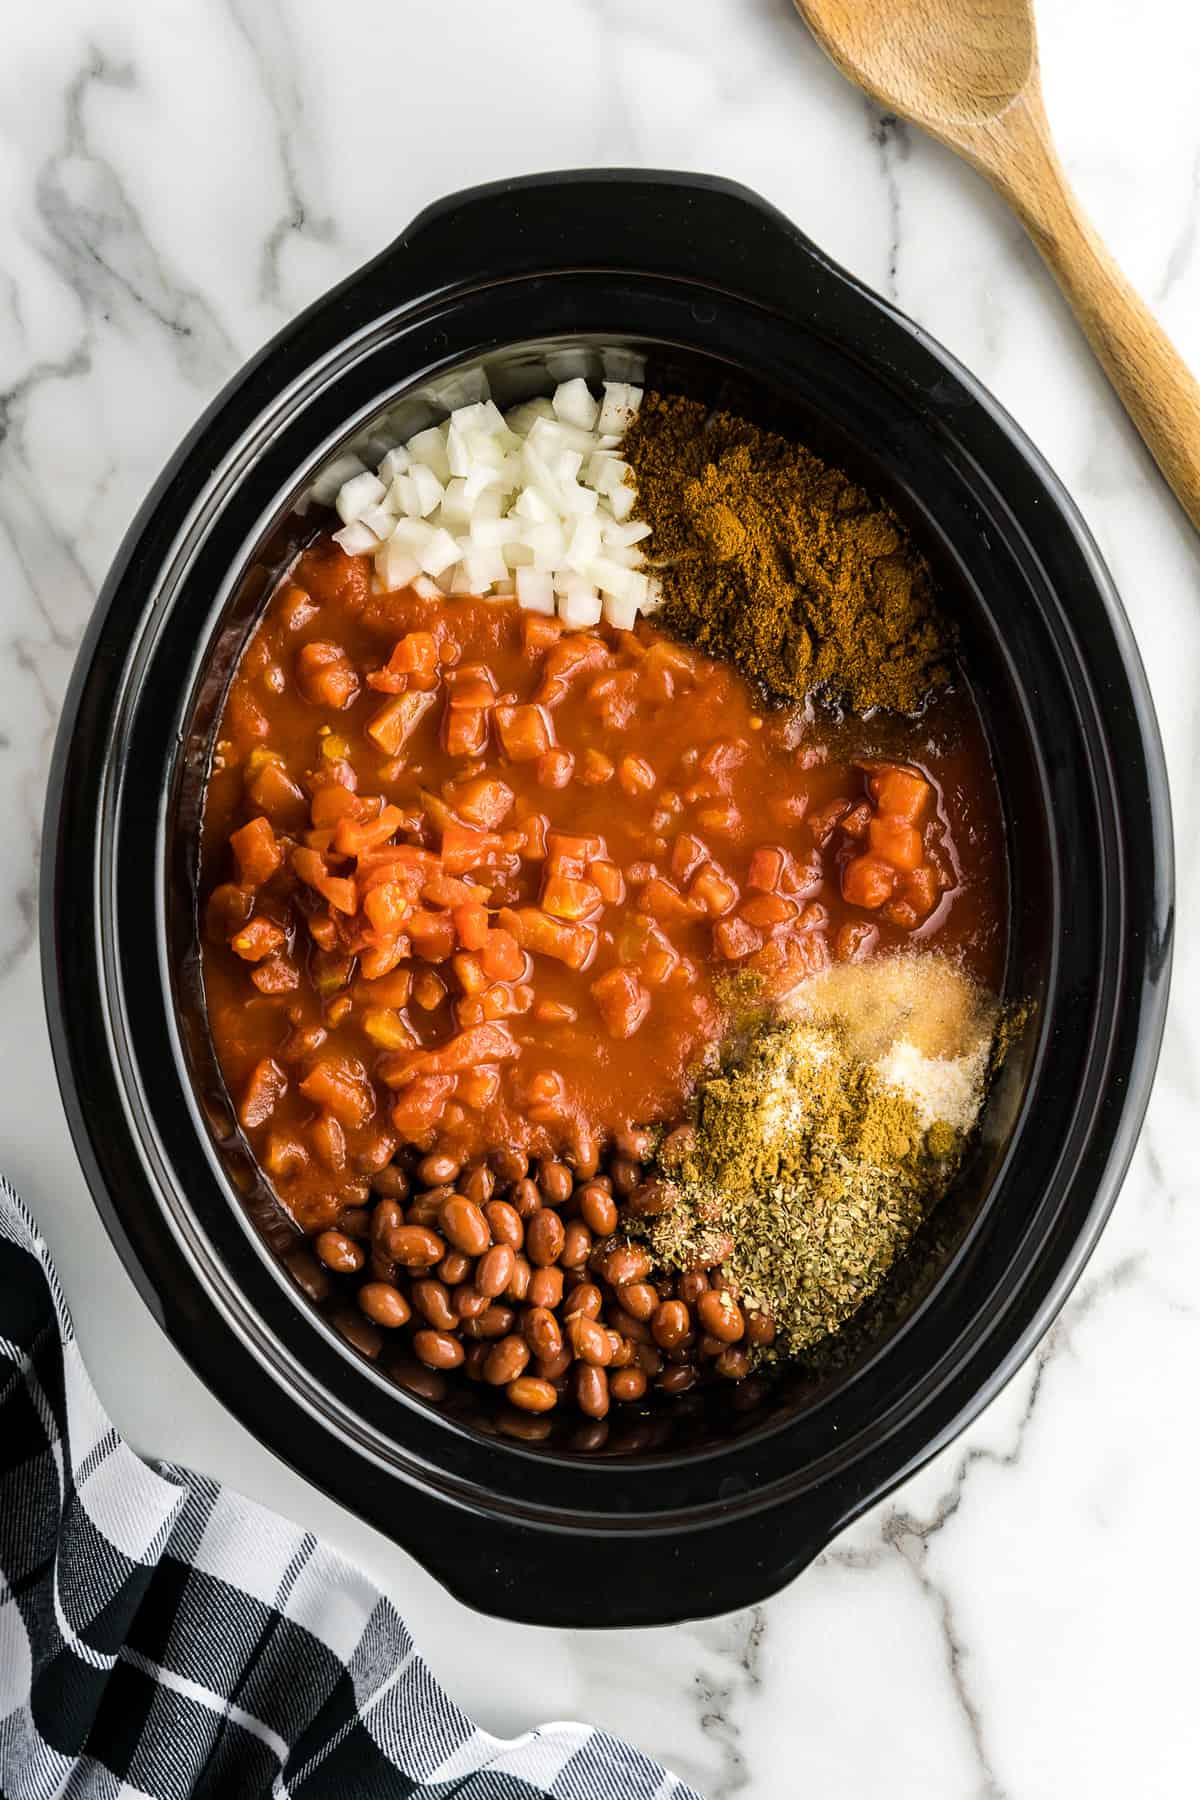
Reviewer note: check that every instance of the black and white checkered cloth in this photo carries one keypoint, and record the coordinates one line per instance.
(161, 1636)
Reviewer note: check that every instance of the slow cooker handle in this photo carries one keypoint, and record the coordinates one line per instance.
(675, 225)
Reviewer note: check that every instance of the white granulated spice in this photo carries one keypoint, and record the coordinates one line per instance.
(945, 1089)
(923, 1025)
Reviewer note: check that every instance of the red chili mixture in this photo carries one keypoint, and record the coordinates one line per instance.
(475, 890)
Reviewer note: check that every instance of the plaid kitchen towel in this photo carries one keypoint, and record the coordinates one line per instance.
(161, 1636)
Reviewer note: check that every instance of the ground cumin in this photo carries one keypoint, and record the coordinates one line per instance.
(781, 564)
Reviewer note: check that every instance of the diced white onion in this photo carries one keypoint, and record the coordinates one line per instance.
(621, 401)
(535, 502)
(357, 494)
(429, 447)
(622, 501)
(330, 481)
(439, 553)
(535, 590)
(379, 519)
(620, 613)
(394, 463)
(395, 566)
(574, 405)
(356, 539)
(429, 489)
(580, 606)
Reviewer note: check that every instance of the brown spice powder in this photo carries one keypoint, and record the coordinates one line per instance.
(779, 563)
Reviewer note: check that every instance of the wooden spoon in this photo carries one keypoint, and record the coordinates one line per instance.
(967, 72)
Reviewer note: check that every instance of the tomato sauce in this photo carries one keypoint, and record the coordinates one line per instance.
(473, 882)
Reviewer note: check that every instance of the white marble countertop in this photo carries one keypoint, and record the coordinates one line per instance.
(177, 180)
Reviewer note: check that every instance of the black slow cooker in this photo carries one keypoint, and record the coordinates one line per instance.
(696, 286)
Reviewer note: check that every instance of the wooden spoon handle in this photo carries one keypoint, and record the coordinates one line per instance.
(1159, 391)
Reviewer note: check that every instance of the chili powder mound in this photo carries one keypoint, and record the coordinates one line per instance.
(779, 563)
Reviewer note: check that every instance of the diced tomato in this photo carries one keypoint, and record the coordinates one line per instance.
(713, 891)
(501, 957)
(323, 931)
(657, 960)
(663, 901)
(868, 881)
(471, 688)
(920, 889)
(379, 960)
(900, 793)
(563, 898)
(635, 775)
(478, 1088)
(325, 675)
(390, 988)
(451, 890)
(525, 732)
(397, 862)
(416, 654)
(384, 1026)
(555, 768)
(765, 911)
(341, 1084)
(533, 836)
(229, 906)
(595, 768)
(471, 924)
(721, 759)
(263, 1092)
(387, 906)
(394, 723)
(297, 608)
(855, 941)
(570, 657)
(537, 932)
(465, 731)
(471, 974)
(482, 1044)
(786, 960)
(337, 889)
(540, 633)
(735, 938)
(428, 991)
(257, 851)
(622, 1000)
(857, 820)
(275, 976)
(258, 939)
(569, 855)
(608, 878)
(332, 802)
(271, 789)
(896, 842)
(824, 822)
(504, 1002)
(432, 935)
(351, 839)
(897, 912)
(687, 853)
(554, 1012)
(465, 848)
(420, 1106)
(767, 865)
(485, 801)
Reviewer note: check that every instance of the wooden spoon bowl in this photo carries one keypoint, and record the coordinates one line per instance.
(967, 73)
